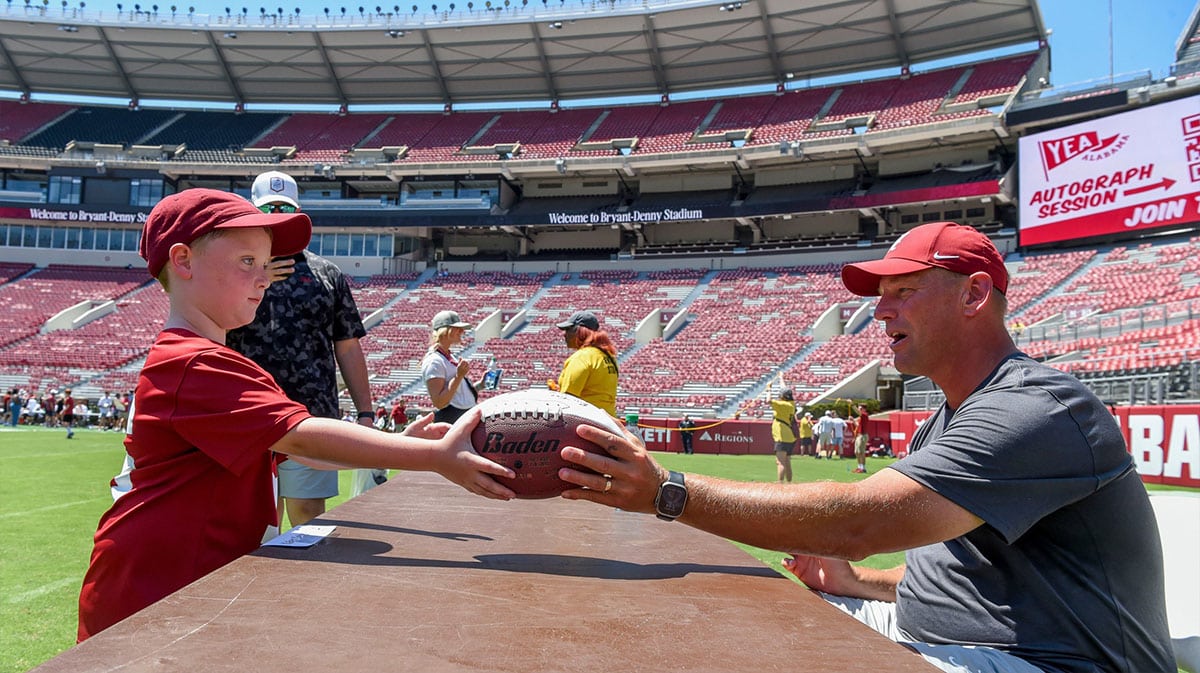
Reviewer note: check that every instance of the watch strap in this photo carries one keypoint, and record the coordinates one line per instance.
(674, 480)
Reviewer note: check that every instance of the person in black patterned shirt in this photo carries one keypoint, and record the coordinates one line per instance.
(307, 328)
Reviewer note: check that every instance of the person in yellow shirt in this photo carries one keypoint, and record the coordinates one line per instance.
(590, 373)
(807, 447)
(784, 434)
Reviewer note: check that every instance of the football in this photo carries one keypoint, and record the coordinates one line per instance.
(524, 431)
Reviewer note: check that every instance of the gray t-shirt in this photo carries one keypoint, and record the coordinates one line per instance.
(1066, 571)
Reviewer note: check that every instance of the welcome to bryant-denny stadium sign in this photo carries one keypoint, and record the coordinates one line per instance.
(664, 215)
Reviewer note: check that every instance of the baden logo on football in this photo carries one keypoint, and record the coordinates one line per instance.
(496, 442)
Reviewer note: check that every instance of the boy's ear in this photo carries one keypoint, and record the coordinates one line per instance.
(179, 259)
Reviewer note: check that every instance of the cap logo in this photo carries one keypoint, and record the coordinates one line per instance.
(277, 184)
(940, 256)
(897, 243)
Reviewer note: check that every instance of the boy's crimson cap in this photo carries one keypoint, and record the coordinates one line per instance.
(188, 215)
(945, 245)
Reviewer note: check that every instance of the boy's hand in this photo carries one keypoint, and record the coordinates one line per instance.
(465, 467)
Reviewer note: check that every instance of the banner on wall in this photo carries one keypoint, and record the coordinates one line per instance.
(1130, 171)
(58, 214)
(1163, 440)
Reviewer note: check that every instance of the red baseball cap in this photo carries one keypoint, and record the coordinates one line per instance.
(945, 245)
(188, 215)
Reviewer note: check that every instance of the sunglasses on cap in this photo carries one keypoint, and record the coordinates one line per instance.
(278, 208)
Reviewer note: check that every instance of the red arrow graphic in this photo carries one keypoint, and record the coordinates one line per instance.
(1165, 183)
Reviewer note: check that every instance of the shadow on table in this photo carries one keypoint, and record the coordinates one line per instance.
(354, 551)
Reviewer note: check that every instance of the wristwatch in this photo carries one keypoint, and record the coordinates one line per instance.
(671, 498)
(366, 414)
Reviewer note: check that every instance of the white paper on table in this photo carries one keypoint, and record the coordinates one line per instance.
(301, 536)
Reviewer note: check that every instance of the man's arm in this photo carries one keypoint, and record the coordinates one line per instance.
(885, 513)
(835, 576)
(353, 365)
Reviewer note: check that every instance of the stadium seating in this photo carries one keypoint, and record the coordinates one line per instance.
(740, 328)
(870, 106)
(18, 121)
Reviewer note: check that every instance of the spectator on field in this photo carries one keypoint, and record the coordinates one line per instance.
(806, 435)
(50, 408)
(444, 373)
(861, 439)
(838, 435)
(68, 412)
(107, 408)
(13, 407)
(686, 428)
(825, 435)
(783, 432)
(590, 372)
(399, 416)
(33, 412)
(83, 414)
(1031, 543)
(209, 421)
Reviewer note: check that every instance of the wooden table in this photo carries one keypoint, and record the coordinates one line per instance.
(422, 576)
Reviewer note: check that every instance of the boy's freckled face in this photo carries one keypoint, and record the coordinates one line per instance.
(230, 272)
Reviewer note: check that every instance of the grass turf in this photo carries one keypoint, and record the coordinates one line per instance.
(53, 491)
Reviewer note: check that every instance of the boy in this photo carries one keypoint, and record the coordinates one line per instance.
(208, 421)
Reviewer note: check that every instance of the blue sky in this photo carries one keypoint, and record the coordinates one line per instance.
(1143, 36)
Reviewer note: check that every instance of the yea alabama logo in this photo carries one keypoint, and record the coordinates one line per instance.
(1089, 145)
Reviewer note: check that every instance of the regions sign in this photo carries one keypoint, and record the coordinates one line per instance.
(1126, 172)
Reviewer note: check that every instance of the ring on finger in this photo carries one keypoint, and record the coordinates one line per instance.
(607, 485)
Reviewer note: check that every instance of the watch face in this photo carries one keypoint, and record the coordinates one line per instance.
(671, 499)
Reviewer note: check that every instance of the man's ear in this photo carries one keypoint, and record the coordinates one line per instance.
(179, 258)
(978, 292)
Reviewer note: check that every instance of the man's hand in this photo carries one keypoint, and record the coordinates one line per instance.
(280, 268)
(425, 428)
(633, 474)
(838, 577)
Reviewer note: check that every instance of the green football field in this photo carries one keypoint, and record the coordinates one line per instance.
(53, 491)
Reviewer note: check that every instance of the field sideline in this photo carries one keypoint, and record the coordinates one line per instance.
(53, 491)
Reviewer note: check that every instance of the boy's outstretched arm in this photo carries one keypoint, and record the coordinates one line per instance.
(338, 443)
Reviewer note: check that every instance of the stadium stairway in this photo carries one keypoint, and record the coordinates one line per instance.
(476, 350)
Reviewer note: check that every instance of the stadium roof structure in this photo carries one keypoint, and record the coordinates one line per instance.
(487, 52)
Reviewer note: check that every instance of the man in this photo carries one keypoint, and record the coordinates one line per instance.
(825, 435)
(307, 325)
(68, 412)
(806, 435)
(399, 416)
(837, 434)
(108, 411)
(1031, 544)
(686, 428)
(860, 439)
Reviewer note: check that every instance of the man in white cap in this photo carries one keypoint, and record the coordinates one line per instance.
(1030, 544)
(306, 330)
